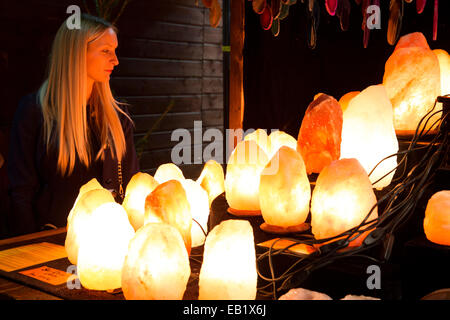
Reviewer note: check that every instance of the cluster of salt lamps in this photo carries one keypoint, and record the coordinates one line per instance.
(368, 134)
(228, 271)
(341, 200)
(412, 79)
(436, 223)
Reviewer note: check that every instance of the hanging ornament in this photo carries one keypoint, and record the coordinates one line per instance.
(395, 21)
(343, 13)
(266, 18)
(259, 5)
(331, 6)
(275, 27)
(313, 19)
(284, 12)
(435, 19)
(420, 5)
(276, 8)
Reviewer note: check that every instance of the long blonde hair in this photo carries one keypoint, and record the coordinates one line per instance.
(63, 99)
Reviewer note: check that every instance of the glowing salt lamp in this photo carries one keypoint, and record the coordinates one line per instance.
(319, 137)
(157, 264)
(277, 139)
(284, 196)
(90, 185)
(345, 99)
(228, 270)
(212, 179)
(103, 247)
(342, 198)
(168, 203)
(261, 138)
(242, 178)
(444, 66)
(368, 134)
(139, 187)
(412, 81)
(80, 219)
(199, 204)
(437, 218)
(168, 171)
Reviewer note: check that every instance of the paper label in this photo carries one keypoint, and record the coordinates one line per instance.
(48, 275)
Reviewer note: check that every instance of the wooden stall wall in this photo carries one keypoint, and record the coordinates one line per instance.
(168, 52)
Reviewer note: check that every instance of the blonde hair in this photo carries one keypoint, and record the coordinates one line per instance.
(63, 99)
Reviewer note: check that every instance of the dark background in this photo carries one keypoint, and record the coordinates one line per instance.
(282, 74)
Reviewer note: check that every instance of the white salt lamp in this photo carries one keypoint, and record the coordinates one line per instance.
(212, 179)
(157, 264)
(284, 196)
(261, 138)
(244, 167)
(199, 204)
(90, 185)
(168, 203)
(277, 139)
(437, 218)
(412, 81)
(346, 98)
(341, 199)
(103, 247)
(368, 134)
(139, 187)
(168, 171)
(80, 219)
(228, 270)
(444, 66)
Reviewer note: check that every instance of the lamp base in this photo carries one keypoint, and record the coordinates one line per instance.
(284, 230)
(244, 213)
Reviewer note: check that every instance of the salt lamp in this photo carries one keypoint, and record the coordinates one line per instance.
(444, 66)
(284, 196)
(199, 204)
(103, 247)
(345, 99)
(81, 213)
(341, 199)
(412, 81)
(368, 134)
(261, 138)
(212, 179)
(90, 185)
(228, 270)
(157, 265)
(168, 203)
(437, 218)
(279, 138)
(319, 137)
(139, 187)
(168, 171)
(242, 177)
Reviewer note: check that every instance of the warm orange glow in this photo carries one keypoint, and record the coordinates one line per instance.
(261, 138)
(212, 179)
(139, 187)
(168, 203)
(284, 195)
(346, 98)
(80, 218)
(103, 247)
(368, 134)
(437, 218)
(412, 81)
(242, 178)
(228, 270)
(341, 199)
(199, 204)
(168, 171)
(90, 185)
(157, 264)
(444, 66)
(277, 139)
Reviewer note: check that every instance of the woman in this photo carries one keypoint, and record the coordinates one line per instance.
(70, 131)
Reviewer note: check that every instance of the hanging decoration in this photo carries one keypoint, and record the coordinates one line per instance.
(272, 12)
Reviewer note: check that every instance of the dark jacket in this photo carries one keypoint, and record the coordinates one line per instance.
(39, 194)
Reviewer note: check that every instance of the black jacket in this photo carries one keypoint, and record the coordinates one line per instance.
(39, 194)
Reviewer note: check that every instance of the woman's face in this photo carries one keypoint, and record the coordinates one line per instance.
(101, 56)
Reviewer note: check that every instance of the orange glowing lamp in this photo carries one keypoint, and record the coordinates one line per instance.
(168, 171)
(261, 138)
(168, 203)
(157, 265)
(212, 179)
(278, 139)
(139, 187)
(342, 198)
(437, 218)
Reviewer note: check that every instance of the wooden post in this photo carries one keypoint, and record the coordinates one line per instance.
(236, 108)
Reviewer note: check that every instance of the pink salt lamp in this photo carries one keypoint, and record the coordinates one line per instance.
(437, 218)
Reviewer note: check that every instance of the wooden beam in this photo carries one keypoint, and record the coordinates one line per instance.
(237, 34)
